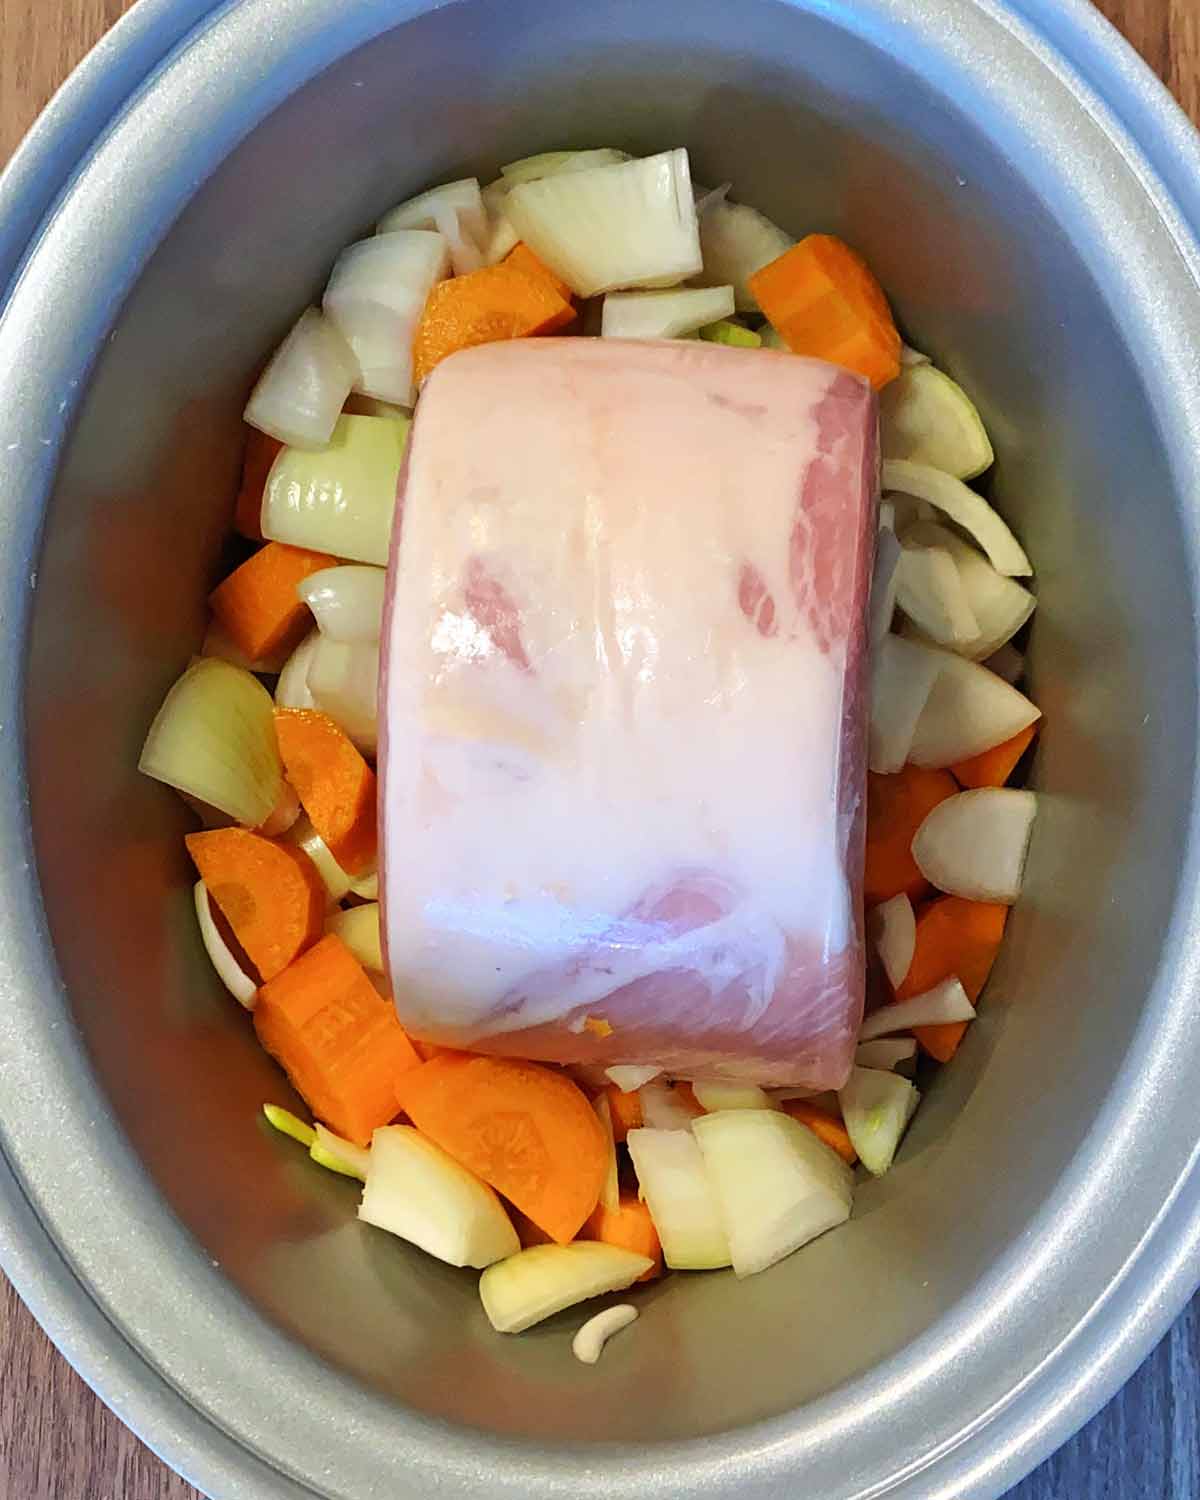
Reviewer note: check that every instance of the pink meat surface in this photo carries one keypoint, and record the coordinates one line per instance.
(623, 708)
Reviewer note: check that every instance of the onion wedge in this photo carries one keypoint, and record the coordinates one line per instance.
(545, 1279)
(876, 1109)
(903, 674)
(926, 418)
(304, 387)
(680, 1197)
(945, 1002)
(347, 601)
(456, 211)
(1000, 605)
(965, 508)
(930, 592)
(735, 241)
(663, 315)
(892, 927)
(291, 691)
(975, 843)
(968, 710)
(358, 928)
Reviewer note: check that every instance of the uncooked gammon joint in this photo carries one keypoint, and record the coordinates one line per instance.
(623, 708)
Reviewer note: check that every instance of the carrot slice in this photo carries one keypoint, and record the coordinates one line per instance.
(630, 1227)
(499, 302)
(824, 1126)
(954, 937)
(522, 258)
(822, 298)
(993, 767)
(271, 894)
(626, 1111)
(337, 1039)
(896, 807)
(335, 785)
(258, 604)
(526, 1130)
(261, 452)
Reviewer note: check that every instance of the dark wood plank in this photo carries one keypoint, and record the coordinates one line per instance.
(57, 1442)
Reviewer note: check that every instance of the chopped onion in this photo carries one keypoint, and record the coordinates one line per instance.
(342, 498)
(926, 418)
(629, 1077)
(663, 1108)
(629, 225)
(456, 211)
(725, 331)
(291, 691)
(903, 674)
(306, 837)
(536, 1283)
(907, 510)
(366, 886)
(214, 738)
(375, 296)
(884, 581)
(610, 1192)
(663, 315)
(229, 971)
(1000, 605)
(344, 682)
(930, 592)
(969, 710)
(358, 928)
(876, 1109)
(713, 1096)
(965, 508)
(945, 1002)
(552, 163)
(1007, 663)
(887, 1053)
(302, 390)
(219, 643)
(679, 1194)
(974, 844)
(337, 1155)
(735, 241)
(892, 926)
(347, 601)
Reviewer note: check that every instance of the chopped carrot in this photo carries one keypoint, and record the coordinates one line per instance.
(954, 937)
(499, 302)
(822, 298)
(337, 1039)
(896, 807)
(522, 258)
(630, 1227)
(261, 453)
(335, 785)
(270, 893)
(626, 1111)
(824, 1126)
(527, 1130)
(258, 604)
(993, 767)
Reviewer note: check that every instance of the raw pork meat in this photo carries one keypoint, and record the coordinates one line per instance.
(623, 708)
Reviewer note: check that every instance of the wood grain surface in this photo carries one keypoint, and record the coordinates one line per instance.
(57, 1442)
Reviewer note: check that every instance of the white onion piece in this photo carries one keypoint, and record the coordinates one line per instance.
(884, 581)
(936, 1007)
(358, 928)
(629, 225)
(456, 212)
(229, 971)
(218, 643)
(346, 601)
(663, 1109)
(534, 1284)
(969, 710)
(974, 844)
(679, 1194)
(663, 315)
(501, 236)
(291, 691)
(926, 418)
(707, 197)
(552, 163)
(344, 682)
(887, 1053)
(876, 1108)
(366, 885)
(735, 241)
(610, 1191)
(302, 390)
(907, 511)
(717, 1094)
(1007, 663)
(903, 674)
(375, 296)
(965, 508)
(306, 837)
(214, 739)
(930, 592)
(892, 927)
(1000, 605)
(910, 357)
(629, 1077)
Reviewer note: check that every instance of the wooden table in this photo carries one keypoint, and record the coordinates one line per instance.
(57, 1442)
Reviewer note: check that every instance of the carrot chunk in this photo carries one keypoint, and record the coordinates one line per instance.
(626, 1111)
(271, 894)
(499, 302)
(896, 807)
(630, 1227)
(337, 1039)
(993, 767)
(522, 258)
(954, 937)
(822, 298)
(335, 785)
(261, 452)
(824, 1126)
(526, 1130)
(258, 604)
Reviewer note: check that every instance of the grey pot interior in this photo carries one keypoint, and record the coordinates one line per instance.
(994, 245)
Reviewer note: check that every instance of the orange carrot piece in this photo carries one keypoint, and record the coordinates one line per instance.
(335, 785)
(630, 1227)
(257, 603)
(499, 302)
(527, 1130)
(523, 259)
(896, 807)
(822, 298)
(261, 453)
(994, 767)
(954, 937)
(270, 893)
(337, 1039)
(824, 1126)
(626, 1111)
